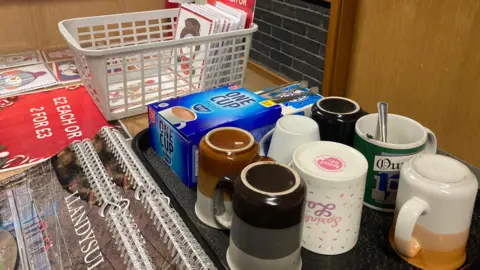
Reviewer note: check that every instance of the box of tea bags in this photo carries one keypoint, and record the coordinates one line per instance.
(177, 125)
(300, 106)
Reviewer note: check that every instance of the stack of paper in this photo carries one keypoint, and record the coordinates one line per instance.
(206, 65)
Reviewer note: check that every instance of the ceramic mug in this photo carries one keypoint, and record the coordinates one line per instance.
(290, 132)
(266, 219)
(178, 115)
(222, 152)
(335, 176)
(473, 265)
(336, 118)
(435, 202)
(406, 138)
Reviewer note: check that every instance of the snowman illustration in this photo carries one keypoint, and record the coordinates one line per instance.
(68, 69)
(13, 79)
(191, 29)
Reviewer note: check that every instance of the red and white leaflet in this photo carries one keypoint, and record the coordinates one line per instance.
(244, 6)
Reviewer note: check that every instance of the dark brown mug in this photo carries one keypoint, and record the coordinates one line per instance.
(266, 217)
(223, 151)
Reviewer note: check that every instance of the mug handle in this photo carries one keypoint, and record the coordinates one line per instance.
(182, 125)
(263, 141)
(431, 147)
(222, 214)
(407, 218)
(290, 164)
(227, 184)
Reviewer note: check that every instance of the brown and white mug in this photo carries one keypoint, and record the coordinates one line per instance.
(435, 202)
(223, 151)
(266, 219)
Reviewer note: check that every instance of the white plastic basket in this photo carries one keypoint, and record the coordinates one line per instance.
(127, 61)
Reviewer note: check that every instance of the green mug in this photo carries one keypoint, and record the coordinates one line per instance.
(406, 138)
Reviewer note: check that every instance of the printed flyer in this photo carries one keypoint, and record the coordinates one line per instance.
(51, 224)
(53, 55)
(20, 59)
(37, 126)
(247, 6)
(66, 71)
(24, 79)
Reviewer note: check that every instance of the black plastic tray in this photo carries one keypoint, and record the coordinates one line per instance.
(372, 251)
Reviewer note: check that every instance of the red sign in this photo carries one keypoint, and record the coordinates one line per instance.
(37, 126)
(246, 5)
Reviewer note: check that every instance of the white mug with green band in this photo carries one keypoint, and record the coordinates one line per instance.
(406, 138)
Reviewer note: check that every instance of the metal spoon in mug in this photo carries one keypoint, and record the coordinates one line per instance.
(382, 120)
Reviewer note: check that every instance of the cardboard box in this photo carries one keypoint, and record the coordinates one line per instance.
(300, 106)
(178, 125)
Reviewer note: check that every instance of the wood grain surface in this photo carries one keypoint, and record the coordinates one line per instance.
(32, 24)
(277, 78)
(339, 47)
(423, 57)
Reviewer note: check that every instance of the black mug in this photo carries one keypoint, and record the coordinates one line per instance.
(336, 118)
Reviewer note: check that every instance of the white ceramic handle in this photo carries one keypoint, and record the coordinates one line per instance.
(431, 147)
(263, 141)
(406, 220)
(182, 125)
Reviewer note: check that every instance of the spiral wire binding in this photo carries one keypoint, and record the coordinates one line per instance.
(129, 239)
(185, 249)
(120, 222)
(104, 190)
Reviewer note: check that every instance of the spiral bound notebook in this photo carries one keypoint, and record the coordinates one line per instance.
(93, 206)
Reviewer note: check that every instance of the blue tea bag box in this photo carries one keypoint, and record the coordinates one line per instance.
(178, 125)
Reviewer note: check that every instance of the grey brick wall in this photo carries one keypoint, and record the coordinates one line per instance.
(292, 38)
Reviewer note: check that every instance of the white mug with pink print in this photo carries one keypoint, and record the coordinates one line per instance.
(335, 176)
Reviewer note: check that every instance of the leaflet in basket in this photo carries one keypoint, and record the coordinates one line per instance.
(221, 63)
(94, 206)
(217, 70)
(139, 46)
(245, 7)
(190, 60)
(152, 92)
